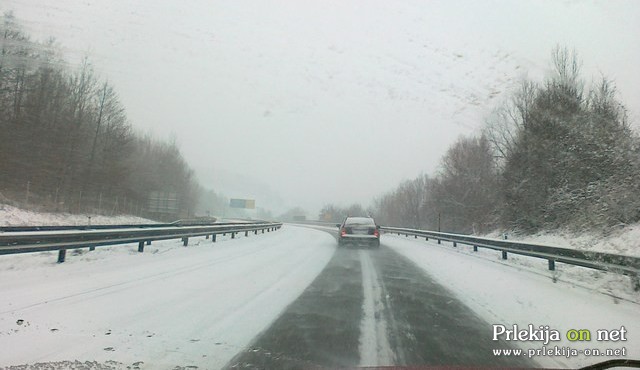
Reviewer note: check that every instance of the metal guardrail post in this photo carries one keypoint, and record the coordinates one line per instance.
(92, 248)
(233, 235)
(438, 241)
(552, 265)
(255, 232)
(455, 244)
(206, 236)
(148, 242)
(185, 241)
(141, 246)
(504, 255)
(213, 238)
(475, 248)
(62, 253)
(246, 233)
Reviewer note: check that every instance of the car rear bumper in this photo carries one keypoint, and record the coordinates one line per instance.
(359, 240)
(359, 237)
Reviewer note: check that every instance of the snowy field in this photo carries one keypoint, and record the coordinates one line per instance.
(169, 306)
(522, 293)
(13, 216)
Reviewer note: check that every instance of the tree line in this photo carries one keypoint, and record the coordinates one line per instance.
(555, 154)
(65, 140)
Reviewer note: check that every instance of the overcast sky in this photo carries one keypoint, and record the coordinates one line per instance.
(310, 102)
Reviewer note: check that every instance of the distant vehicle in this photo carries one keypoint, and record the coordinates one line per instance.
(359, 231)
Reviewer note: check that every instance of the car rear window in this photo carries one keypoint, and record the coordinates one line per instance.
(360, 221)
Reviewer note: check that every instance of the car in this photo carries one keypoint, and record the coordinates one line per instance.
(359, 231)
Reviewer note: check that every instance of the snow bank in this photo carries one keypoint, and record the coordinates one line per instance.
(624, 241)
(13, 216)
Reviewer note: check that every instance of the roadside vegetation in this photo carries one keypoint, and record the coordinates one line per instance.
(66, 143)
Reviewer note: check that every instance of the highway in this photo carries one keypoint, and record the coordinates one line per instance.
(287, 299)
(375, 308)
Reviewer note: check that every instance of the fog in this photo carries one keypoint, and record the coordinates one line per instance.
(300, 104)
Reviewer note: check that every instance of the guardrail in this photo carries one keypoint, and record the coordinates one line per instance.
(201, 221)
(626, 265)
(13, 242)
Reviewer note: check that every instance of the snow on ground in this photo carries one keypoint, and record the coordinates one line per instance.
(624, 241)
(169, 306)
(523, 293)
(13, 216)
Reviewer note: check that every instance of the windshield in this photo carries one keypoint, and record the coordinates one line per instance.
(220, 184)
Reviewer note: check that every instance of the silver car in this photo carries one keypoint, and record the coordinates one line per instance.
(359, 231)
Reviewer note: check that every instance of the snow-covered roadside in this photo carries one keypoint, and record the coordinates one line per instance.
(625, 241)
(611, 284)
(170, 306)
(13, 216)
(517, 294)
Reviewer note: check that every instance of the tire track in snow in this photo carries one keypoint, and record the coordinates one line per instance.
(429, 325)
(375, 308)
(321, 327)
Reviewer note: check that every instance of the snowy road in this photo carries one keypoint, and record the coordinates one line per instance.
(288, 299)
(374, 307)
(197, 306)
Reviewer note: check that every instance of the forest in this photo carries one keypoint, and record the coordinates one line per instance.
(66, 141)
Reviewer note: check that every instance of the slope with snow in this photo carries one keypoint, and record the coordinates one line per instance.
(625, 241)
(14, 216)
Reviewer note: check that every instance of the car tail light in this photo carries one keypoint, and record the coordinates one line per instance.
(376, 233)
(343, 232)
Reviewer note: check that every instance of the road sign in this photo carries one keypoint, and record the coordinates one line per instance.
(242, 203)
